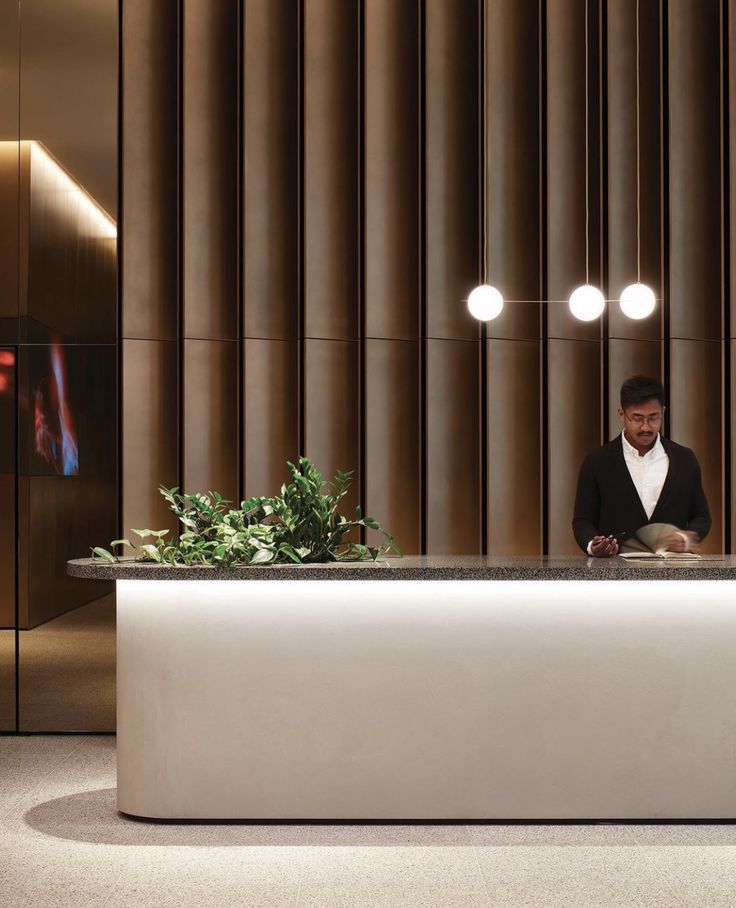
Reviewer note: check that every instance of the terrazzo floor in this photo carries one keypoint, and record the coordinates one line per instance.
(63, 843)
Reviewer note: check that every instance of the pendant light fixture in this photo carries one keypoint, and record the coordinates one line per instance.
(637, 300)
(586, 302)
(485, 302)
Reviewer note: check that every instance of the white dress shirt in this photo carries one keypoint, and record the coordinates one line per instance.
(648, 473)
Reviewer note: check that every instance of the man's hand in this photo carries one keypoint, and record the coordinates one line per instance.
(603, 546)
(678, 543)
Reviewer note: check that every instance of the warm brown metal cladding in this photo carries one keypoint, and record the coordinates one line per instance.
(352, 167)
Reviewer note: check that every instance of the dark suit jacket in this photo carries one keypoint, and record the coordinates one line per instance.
(607, 500)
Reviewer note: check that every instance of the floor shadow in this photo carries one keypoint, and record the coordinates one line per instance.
(92, 816)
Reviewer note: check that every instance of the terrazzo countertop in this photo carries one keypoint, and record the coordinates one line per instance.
(436, 567)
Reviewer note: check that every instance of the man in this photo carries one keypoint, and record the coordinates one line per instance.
(639, 478)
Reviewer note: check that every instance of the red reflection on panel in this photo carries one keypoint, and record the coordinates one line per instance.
(53, 422)
(7, 364)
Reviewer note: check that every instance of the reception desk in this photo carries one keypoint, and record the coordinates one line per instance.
(427, 689)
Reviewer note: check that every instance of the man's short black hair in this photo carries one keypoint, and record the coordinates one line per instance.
(639, 388)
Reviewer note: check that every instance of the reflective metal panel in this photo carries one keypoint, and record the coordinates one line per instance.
(67, 359)
(69, 496)
(7, 538)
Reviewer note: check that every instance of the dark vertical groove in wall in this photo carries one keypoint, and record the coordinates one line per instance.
(301, 346)
(544, 290)
(239, 280)
(726, 279)
(180, 242)
(119, 301)
(603, 139)
(362, 459)
(665, 145)
(483, 277)
(423, 272)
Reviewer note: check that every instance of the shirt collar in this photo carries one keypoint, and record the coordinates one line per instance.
(653, 453)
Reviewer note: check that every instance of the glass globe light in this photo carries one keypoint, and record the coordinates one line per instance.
(587, 303)
(485, 303)
(637, 301)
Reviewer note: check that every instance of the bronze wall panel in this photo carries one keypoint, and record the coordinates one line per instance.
(622, 160)
(7, 553)
(210, 417)
(393, 453)
(453, 447)
(9, 240)
(574, 403)
(566, 228)
(730, 164)
(730, 502)
(695, 419)
(452, 179)
(210, 169)
(331, 168)
(331, 405)
(9, 169)
(149, 162)
(271, 414)
(626, 358)
(150, 421)
(514, 448)
(695, 170)
(392, 169)
(514, 162)
(270, 251)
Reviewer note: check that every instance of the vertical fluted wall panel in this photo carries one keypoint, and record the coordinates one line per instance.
(299, 244)
(270, 250)
(270, 413)
(209, 253)
(453, 454)
(512, 214)
(695, 254)
(331, 177)
(696, 418)
(566, 165)
(150, 418)
(453, 508)
(634, 205)
(392, 263)
(392, 169)
(210, 169)
(210, 430)
(331, 408)
(696, 291)
(393, 449)
(729, 43)
(514, 448)
(452, 148)
(149, 185)
(150, 261)
(573, 364)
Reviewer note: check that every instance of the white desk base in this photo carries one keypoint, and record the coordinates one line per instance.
(426, 700)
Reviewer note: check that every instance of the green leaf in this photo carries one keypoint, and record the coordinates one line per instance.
(103, 555)
(152, 552)
(120, 542)
(262, 556)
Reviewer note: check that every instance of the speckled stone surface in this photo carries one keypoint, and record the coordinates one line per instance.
(436, 567)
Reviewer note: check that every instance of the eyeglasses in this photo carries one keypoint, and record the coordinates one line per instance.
(638, 420)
